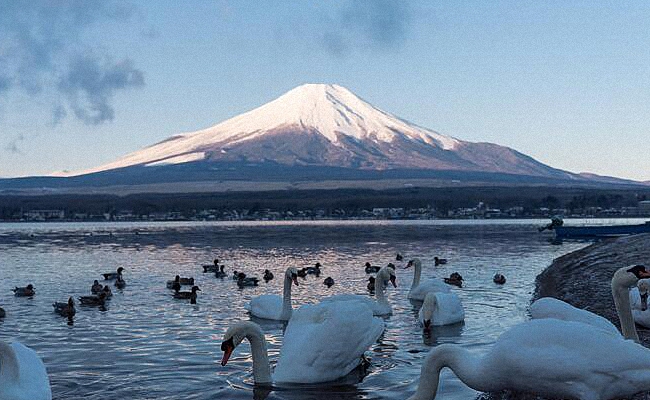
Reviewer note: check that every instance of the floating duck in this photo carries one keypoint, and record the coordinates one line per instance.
(96, 287)
(65, 309)
(120, 283)
(220, 273)
(315, 270)
(302, 272)
(371, 283)
(399, 257)
(499, 279)
(236, 274)
(2, 313)
(371, 269)
(268, 275)
(244, 281)
(329, 282)
(113, 275)
(439, 261)
(93, 300)
(107, 292)
(188, 295)
(454, 279)
(26, 291)
(180, 281)
(211, 267)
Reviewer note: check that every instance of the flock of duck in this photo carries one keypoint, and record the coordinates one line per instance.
(562, 351)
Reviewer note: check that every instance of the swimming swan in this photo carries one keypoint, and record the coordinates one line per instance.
(22, 374)
(322, 343)
(548, 357)
(380, 305)
(419, 290)
(272, 306)
(440, 309)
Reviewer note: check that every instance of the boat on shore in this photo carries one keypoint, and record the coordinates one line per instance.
(595, 231)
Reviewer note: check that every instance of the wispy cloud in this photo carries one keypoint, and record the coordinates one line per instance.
(381, 24)
(42, 48)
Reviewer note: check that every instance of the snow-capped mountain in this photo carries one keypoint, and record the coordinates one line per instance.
(329, 126)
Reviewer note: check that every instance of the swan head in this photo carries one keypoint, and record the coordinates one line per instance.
(428, 307)
(235, 335)
(644, 287)
(387, 274)
(292, 274)
(629, 276)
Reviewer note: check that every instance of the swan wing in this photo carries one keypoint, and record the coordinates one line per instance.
(449, 311)
(559, 358)
(267, 306)
(549, 307)
(32, 383)
(324, 342)
(376, 307)
(433, 285)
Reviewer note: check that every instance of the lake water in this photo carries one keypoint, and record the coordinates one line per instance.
(147, 345)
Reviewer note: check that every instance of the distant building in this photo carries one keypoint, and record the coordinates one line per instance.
(44, 215)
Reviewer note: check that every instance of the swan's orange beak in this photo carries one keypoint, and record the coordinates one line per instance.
(409, 264)
(393, 280)
(227, 347)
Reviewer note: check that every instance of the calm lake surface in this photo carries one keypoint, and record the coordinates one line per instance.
(147, 345)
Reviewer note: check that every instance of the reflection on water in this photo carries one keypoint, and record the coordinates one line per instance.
(145, 345)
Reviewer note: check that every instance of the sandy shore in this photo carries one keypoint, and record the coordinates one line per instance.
(583, 279)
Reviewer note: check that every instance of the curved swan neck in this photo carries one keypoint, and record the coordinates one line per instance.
(460, 361)
(417, 271)
(261, 367)
(9, 367)
(286, 297)
(620, 292)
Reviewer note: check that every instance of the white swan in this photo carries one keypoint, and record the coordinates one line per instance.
(22, 374)
(549, 307)
(625, 278)
(440, 309)
(322, 343)
(639, 303)
(380, 305)
(272, 306)
(419, 290)
(548, 357)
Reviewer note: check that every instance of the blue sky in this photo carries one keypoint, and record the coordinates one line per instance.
(566, 82)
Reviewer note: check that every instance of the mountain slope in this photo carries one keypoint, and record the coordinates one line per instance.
(328, 126)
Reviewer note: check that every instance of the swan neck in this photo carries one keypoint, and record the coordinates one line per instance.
(417, 271)
(261, 367)
(9, 366)
(286, 298)
(624, 310)
(464, 365)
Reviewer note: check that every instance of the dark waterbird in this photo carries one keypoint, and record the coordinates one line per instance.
(113, 275)
(188, 295)
(26, 291)
(65, 309)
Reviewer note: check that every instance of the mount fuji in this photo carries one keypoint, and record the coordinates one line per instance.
(314, 133)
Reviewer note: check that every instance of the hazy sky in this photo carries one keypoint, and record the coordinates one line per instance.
(566, 82)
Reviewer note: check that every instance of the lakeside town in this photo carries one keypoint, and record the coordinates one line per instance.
(480, 211)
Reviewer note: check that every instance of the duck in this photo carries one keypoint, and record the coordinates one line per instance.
(26, 291)
(399, 257)
(322, 343)
(181, 282)
(236, 274)
(120, 283)
(2, 313)
(329, 282)
(23, 375)
(96, 287)
(268, 275)
(220, 274)
(214, 267)
(113, 275)
(454, 279)
(65, 309)
(93, 300)
(380, 305)
(107, 292)
(420, 289)
(272, 306)
(188, 295)
(371, 284)
(302, 272)
(548, 357)
(245, 281)
(440, 309)
(499, 279)
(439, 261)
(315, 270)
(371, 269)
